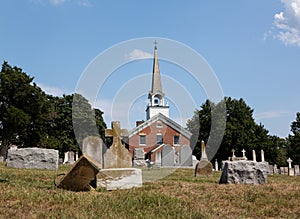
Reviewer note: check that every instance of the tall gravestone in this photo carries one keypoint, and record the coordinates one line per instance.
(167, 155)
(204, 166)
(93, 147)
(297, 172)
(186, 156)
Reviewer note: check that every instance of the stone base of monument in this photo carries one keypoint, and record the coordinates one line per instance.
(244, 172)
(119, 178)
(139, 163)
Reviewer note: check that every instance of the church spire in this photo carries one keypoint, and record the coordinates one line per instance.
(156, 81)
(156, 96)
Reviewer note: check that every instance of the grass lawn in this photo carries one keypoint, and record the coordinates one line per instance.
(31, 194)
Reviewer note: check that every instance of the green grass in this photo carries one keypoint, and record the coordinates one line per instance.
(31, 194)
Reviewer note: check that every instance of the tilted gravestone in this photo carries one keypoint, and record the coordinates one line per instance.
(167, 155)
(244, 172)
(93, 147)
(83, 171)
(186, 156)
(29, 158)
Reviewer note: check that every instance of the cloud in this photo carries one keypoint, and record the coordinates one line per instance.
(85, 3)
(55, 91)
(271, 114)
(57, 2)
(287, 23)
(138, 54)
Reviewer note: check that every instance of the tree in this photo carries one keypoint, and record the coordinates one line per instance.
(293, 150)
(23, 107)
(241, 130)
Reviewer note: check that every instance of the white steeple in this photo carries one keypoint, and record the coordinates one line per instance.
(156, 95)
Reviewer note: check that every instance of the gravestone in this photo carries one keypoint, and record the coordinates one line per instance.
(139, 157)
(118, 173)
(81, 174)
(216, 165)
(243, 172)
(291, 172)
(117, 156)
(1, 159)
(262, 155)
(29, 158)
(69, 157)
(93, 147)
(186, 156)
(275, 169)
(271, 169)
(297, 172)
(253, 155)
(289, 162)
(203, 167)
(281, 170)
(167, 155)
(286, 170)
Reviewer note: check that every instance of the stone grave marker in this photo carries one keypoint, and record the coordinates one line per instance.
(286, 170)
(289, 160)
(262, 155)
(244, 172)
(186, 156)
(117, 156)
(281, 169)
(291, 172)
(1, 159)
(83, 171)
(296, 168)
(69, 157)
(93, 147)
(253, 155)
(29, 158)
(203, 167)
(216, 165)
(139, 157)
(271, 169)
(117, 161)
(275, 169)
(167, 155)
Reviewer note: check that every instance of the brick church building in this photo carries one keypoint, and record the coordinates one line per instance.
(158, 130)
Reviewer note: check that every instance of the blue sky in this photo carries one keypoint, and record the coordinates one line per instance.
(253, 46)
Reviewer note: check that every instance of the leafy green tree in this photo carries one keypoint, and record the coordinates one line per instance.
(293, 150)
(241, 131)
(23, 107)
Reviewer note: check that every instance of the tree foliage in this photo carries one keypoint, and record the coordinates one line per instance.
(293, 150)
(31, 118)
(241, 132)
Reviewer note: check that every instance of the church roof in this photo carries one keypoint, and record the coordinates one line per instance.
(163, 119)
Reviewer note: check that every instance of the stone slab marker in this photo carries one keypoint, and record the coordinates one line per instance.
(93, 147)
(253, 155)
(244, 172)
(203, 168)
(83, 171)
(167, 156)
(139, 157)
(30, 158)
(117, 156)
(186, 156)
(297, 171)
(1, 159)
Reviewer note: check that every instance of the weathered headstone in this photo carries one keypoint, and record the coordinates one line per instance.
(167, 155)
(1, 159)
(117, 161)
(243, 172)
(203, 151)
(203, 168)
(253, 155)
(297, 172)
(291, 172)
(271, 169)
(186, 156)
(244, 154)
(69, 157)
(117, 156)
(139, 157)
(38, 158)
(81, 174)
(93, 147)
(286, 170)
(275, 169)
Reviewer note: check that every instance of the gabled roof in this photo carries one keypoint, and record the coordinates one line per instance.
(163, 119)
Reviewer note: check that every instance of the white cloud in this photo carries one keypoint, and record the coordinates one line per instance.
(287, 23)
(271, 114)
(138, 54)
(85, 3)
(55, 91)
